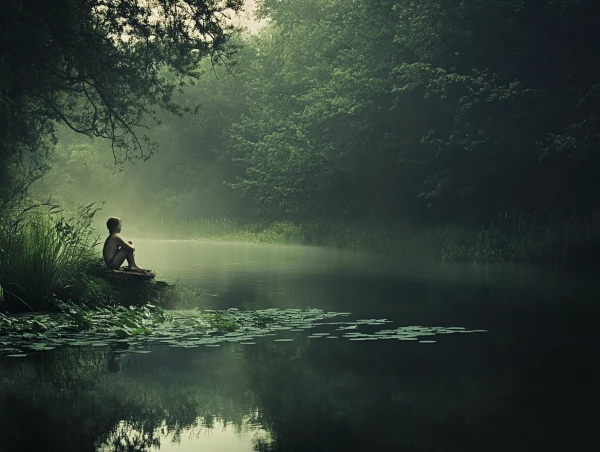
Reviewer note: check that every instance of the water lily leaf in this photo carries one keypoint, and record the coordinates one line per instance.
(122, 332)
(40, 346)
(144, 331)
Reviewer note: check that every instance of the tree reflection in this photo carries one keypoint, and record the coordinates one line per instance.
(309, 395)
(76, 405)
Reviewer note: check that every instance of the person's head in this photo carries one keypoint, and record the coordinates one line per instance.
(114, 225)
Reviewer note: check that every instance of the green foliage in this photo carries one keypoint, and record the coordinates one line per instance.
(101, 69)
(425, 110)
(432, 113)
(115, 320)
(221, 322)
(316, 95)
(46, 256)
(133, 322)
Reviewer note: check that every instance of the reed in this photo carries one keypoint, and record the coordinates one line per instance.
(46, 257)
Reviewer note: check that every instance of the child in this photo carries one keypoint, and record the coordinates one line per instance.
(116, 249)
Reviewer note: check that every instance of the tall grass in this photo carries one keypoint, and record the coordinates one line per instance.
(510, 238)
(46, 256)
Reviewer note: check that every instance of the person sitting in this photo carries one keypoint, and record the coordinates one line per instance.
(116, 250)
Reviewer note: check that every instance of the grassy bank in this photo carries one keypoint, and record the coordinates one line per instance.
(535, 239)
(48, 257)
(49, 262)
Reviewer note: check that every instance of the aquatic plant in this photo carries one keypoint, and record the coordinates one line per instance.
(152, 325)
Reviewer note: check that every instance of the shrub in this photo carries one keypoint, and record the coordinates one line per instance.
(46, 255)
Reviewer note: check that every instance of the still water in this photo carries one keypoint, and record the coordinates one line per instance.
(527, 384)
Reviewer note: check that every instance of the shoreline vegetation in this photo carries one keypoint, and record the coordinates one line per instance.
(50, 261)
(535, 239)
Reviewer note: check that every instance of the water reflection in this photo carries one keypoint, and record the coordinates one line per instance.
(456, 394)
(527, 384)
(152, 401)
(205, 434)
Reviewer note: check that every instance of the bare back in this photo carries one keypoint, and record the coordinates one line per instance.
(111, 247)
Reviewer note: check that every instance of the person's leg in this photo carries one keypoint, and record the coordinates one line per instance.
(119, 258)
(131, 261)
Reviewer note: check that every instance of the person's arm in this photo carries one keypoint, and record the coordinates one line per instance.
(128, 245)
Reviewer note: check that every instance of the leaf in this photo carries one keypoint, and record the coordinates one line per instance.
(122, 332)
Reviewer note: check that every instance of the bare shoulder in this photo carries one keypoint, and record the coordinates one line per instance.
(113, 241)
(117, 238)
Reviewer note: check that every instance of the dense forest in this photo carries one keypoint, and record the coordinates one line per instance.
(430, 111)
(358, 225)
(477, 121)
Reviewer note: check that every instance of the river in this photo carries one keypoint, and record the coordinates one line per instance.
(523, 382)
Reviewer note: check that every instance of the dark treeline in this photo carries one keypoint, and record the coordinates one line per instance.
(430, 111)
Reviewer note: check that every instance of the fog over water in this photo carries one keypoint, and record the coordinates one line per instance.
(369, 225)
(529, 369)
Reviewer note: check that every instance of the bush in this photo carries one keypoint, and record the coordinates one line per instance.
(46, 256)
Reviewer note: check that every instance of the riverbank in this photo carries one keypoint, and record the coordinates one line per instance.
(49, 262)
(573, 241)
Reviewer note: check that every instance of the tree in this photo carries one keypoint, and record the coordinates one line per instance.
(317, 91)
(102, 67)
(509, 103)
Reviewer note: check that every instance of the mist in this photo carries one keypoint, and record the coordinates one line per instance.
(350, 116)
(299, 225)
